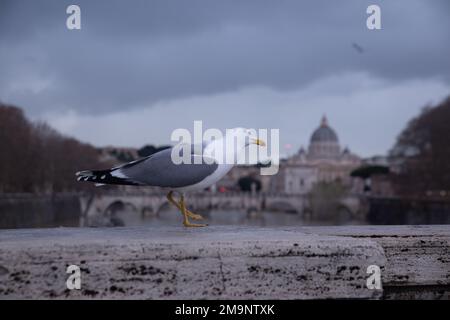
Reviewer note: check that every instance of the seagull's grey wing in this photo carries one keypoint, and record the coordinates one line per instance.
(159, 170)
(199, 148)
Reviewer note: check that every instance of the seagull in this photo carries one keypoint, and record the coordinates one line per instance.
(358, 48)
(206, 167)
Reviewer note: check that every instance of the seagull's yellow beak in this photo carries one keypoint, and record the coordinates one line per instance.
(259, 142)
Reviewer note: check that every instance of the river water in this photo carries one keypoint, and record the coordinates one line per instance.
(171, 217)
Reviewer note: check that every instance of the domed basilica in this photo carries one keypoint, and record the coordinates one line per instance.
(324, 161)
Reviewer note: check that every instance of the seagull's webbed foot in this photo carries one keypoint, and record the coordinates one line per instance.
(194, 215)
(186, 213)
(186, 222)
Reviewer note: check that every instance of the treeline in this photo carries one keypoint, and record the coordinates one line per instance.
(36, 158)
(422, 152)
(148, 150)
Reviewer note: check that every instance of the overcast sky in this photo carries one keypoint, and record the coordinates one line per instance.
(137, 70)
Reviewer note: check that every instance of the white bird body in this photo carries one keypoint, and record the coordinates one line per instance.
(210, 180)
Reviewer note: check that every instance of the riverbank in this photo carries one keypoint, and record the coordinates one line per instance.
(39, 211)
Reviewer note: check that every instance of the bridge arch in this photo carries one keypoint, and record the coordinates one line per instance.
(164, 205)
(118, 212)
(282, 206)
(118, 205)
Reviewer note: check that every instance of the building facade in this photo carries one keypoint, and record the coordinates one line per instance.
(323, 161)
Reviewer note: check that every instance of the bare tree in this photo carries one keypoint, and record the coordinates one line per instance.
(36, 158)
(422, 152)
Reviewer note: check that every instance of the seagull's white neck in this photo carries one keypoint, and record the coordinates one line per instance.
(224, 151)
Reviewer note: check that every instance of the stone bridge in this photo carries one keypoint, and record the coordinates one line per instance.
(153, 203)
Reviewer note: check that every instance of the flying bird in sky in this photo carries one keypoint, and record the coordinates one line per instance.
(205, 168)
(358, 48)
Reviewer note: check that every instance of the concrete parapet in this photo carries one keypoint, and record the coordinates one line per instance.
(226, 262)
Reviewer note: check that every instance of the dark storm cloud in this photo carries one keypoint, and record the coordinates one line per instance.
(131, 54)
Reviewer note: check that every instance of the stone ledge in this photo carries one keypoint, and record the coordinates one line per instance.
(226, 262)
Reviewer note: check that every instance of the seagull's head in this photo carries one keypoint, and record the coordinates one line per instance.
(233, 144)
(248, 136)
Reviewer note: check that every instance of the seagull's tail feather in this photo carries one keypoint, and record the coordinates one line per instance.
(102, 177)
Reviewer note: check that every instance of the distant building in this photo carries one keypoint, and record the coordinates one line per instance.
(324, 161)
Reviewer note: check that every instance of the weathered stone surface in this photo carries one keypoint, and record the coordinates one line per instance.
(418, 258)
(225, 262)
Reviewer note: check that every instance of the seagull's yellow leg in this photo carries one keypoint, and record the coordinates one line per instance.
(176, 204)
(184, 211)
(188, 212)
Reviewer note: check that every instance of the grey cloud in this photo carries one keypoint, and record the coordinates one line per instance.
(133, 54)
